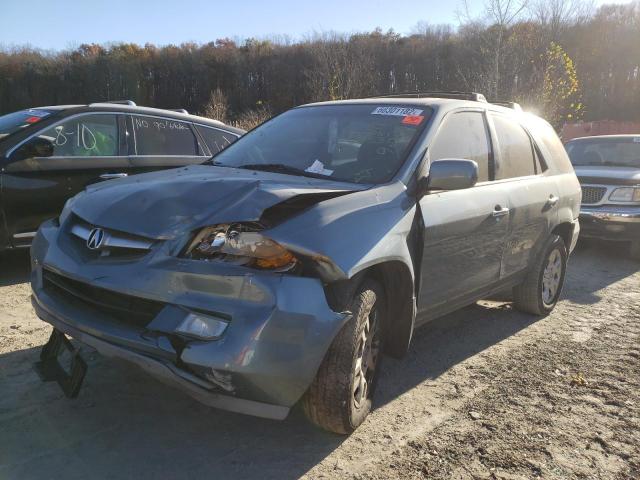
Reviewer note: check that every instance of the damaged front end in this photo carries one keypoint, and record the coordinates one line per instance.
(234, 305)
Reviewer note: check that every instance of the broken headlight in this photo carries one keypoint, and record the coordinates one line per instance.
(240, 244)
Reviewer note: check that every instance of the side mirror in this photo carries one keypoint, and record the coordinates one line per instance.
(36, 147)
(449, 174)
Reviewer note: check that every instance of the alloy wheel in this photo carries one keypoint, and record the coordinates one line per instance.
(551, 277)
(366, 360)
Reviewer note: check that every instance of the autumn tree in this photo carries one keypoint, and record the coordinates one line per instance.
(561, 97)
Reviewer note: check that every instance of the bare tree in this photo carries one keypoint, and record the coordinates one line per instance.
(500, 16)
(554, 16)
(217, 107)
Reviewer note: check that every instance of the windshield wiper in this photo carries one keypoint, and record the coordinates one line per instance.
(281, 168)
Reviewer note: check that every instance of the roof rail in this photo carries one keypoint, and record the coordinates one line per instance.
(131, 103)
(179, 110)
(513, 105)
(474, 96)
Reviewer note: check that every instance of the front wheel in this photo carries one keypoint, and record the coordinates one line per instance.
(339, 399)
(541, 288)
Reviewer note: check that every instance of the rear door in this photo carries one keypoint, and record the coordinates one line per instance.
(533, 197)
(84, 149)
(157, 143)
(464, 230)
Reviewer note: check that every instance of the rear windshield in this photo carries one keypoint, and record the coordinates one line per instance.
(615, 152)
(15, 121)
(353, 143)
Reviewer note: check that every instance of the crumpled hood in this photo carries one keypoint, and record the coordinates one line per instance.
(608, 175)
(163, 205)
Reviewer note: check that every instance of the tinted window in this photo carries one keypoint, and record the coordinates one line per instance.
(516, 150)
(464, 135)
(548, 141)
(616, 152)
(216, 139)
(163, 136)
(354, 143)
(15, 121)
(84, 136)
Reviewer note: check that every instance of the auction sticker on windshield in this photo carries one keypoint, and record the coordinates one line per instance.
(398, 111)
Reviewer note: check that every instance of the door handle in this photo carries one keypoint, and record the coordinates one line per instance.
(111, 176)
(500, 212)
(552, 200)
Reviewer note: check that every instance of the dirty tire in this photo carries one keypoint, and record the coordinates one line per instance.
(528, 296)
(634, 250)
(331, 402)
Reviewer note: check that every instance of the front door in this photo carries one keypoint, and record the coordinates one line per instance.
(83, 149)
(465, 231)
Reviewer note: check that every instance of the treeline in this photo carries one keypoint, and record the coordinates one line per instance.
(559, 59)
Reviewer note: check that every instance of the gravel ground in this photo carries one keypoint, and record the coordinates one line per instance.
(484, 393)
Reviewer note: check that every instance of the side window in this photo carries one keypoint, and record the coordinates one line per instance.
(83, 136)
(547, 139)
(464, 135)
(516, 151)
(163, 136)
(217, 140)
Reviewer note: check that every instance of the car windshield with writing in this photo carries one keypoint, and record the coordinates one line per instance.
(614, 152)
(16, 121)
(353, 143)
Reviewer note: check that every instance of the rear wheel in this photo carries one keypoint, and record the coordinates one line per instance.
(539, 292)
(339, 399)
(635, 250)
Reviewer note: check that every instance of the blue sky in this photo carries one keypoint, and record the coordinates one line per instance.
(67, 23)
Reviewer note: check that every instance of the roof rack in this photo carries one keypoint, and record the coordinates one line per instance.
(513, 105)
(474, 96)
(131, 103)
(179, 110)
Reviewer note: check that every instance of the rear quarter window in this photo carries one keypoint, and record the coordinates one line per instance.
(549, 143)
(216, 139)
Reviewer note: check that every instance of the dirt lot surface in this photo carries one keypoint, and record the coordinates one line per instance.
(484, 393)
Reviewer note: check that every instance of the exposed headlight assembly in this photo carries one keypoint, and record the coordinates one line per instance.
(626, 194)
(240, 244)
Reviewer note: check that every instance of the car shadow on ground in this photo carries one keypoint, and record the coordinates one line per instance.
(127, 425)
(608, 262)
(14, 267)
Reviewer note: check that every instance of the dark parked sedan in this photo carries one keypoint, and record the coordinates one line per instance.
(48, 154)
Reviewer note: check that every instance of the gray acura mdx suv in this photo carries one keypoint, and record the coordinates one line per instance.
(281, 271)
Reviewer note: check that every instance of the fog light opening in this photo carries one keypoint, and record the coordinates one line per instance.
(201, 326)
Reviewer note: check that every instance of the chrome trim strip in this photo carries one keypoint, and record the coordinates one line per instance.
(24, 235)
(111, 239)
(612, 214)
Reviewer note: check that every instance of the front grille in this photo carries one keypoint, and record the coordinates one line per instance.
(118, 246)
(123, 308)
(593, 194)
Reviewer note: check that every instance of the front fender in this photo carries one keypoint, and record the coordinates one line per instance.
(353, 232)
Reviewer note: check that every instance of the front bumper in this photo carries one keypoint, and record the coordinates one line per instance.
(280, 326)
(610, 222)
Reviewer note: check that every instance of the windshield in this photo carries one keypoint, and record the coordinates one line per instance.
(616, 152)
(353, 143)
(15, 121)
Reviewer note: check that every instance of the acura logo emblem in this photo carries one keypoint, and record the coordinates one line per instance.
(96, 239)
